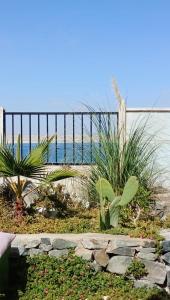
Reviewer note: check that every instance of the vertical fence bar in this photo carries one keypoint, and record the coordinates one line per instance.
(13, 133)
(73, 138)
(108, 116)
(30, 142)
(38, 128)
(21, 125)
(91, 133)
(82, 137)
(65, 138)
(56, 133)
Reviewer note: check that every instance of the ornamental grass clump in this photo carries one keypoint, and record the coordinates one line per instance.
(116, 162)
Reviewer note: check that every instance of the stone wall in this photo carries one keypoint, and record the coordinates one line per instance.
(104, 252)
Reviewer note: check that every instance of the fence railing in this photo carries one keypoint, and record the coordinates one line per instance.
(74, 133)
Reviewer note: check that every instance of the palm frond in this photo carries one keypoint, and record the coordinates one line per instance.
(38, 155)
(60, 174)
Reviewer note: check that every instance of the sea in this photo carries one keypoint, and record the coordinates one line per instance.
(68, 153)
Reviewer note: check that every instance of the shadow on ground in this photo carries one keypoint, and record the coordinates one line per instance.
(17, 278)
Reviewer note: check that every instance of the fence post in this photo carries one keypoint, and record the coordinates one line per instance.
(2, 129)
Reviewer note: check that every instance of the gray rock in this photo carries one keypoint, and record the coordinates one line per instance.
(122, 243)
(84, 253)
(125, 251)
(166, 258)
(156, 271)
(144, 283)
(63, 244)
(58, 253)
(146, 250)
(45, 241)
(119, 264)
(32, 244)
(45, 247)
(34, 251)
(95, 266)
(166, 246)
(147, 256)
(168, 279)
(94, 244)
(148, 244)
(17, 251)
(32, 197)
(101, 257)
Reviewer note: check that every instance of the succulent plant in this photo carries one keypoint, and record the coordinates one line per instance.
(110, 204)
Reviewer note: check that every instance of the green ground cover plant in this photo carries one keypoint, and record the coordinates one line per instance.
(78, 220)
(136, 269)
(71, 278)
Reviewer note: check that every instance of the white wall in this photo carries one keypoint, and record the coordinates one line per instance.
(158, 125)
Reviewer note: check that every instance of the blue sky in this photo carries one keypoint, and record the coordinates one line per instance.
(57, 54)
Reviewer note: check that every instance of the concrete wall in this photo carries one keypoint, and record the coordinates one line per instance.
(158, 126)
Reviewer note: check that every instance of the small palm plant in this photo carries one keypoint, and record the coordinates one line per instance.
(15, 170)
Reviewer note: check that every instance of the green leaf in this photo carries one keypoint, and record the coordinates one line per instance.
(104, 189)
(18, 150)
(130, 190)
(114, 215)
(60, 174)
(115, 201)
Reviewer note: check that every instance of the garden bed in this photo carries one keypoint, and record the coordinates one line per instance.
(70, 279)
(76, 221)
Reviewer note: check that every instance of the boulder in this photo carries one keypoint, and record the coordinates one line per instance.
(144, 283)
(124, 251)
(34, 251)
(166, 258)
(156, 271)
(168, 279)
(147, 256)
(45, 241)
(84, 253)
(17, 251)
(94, 244)
(95, 266)
(32, 244)
(119, 264)
(45, 247)
(63, 244)
(31, 194)
(101, 257)
(58, 253)
(123, 242)
(146, 250)
(166, 246)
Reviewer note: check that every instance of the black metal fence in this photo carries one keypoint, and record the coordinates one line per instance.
(74, 132)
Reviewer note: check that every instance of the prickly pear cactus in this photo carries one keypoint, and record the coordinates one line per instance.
(110, 204)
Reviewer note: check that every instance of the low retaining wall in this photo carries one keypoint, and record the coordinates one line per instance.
(104, 252)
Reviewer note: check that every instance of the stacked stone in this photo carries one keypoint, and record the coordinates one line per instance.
(104, 254)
